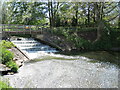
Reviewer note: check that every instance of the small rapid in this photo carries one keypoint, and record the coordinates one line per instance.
(51, 70)
(31, 47)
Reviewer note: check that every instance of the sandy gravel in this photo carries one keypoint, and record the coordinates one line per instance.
(65, 74)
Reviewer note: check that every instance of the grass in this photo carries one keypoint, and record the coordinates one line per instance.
(98, 56)
(50, 58)
(7, 56)
(6, 44)
(4, 85)
(95, 56)
(103, 56)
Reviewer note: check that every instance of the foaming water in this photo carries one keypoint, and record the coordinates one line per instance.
(32, 48)
(60, 71)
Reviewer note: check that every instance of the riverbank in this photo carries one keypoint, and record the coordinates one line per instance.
(81, 40)
(19, 57)
(102, 56)
(82, 70)
(58, 73)
(12, 58)
(99, 56)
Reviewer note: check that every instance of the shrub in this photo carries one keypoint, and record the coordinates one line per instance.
(4, 85)
(83, 43)
(79, 42)
(6, 55)
(6, 44)
(12, 65)
(101, 45)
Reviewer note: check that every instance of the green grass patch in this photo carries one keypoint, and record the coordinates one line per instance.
(103, 56)
(6, 44)
(4, 85)
(50, 58)
(6, 56)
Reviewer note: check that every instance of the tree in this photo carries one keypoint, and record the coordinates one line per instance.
(105, 13)
(30, 13)
(119, 14)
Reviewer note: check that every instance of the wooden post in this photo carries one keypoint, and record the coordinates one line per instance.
(30, 30)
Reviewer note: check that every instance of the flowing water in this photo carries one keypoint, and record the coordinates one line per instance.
(31, 47)
(50, 70)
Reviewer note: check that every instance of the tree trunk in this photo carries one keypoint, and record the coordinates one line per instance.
(50, 21)
(88, 14)
(119, 15)
(76, 15)
(119, 22)
(100, 30)
(100, 23)
(52, 15)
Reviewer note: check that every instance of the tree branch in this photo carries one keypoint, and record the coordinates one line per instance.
(112, 18)
(111, 10)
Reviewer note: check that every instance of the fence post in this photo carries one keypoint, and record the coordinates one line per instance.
(30, 30)
(41, 31)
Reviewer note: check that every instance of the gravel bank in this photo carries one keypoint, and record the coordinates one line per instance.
(65, 74)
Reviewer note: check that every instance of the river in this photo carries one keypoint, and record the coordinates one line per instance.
(50, 70)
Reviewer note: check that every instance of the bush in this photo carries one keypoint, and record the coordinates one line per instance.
(12, 65)
(79, 42)
(6, 44)
(101, 45)
(6, 55)
(4, 85)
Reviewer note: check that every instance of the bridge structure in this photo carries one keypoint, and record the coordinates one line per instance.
(13, 29)
(36, 31)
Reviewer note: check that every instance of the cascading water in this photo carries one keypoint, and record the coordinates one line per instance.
(61, 71)
(31, 47)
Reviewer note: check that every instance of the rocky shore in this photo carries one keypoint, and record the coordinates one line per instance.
(19, 58)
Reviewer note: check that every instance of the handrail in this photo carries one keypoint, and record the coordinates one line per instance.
(16, 27)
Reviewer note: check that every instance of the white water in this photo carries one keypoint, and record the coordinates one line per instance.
(59, 72)
(77, 73)
(32, 48)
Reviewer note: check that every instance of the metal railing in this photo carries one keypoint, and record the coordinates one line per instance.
(14, 28)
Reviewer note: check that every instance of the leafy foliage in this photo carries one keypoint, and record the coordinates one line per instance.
(6, 55)
(6, 44)
(110, 38)
(4, 85)
(12, 65)
(69, 18)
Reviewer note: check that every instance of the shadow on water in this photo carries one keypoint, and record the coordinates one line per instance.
(98, 56)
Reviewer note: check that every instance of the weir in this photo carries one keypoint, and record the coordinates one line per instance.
(31, 47)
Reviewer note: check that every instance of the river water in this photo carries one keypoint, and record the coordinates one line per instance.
(50, 70)
(32, 48)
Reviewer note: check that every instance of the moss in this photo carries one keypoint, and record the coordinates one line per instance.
(50, 58)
